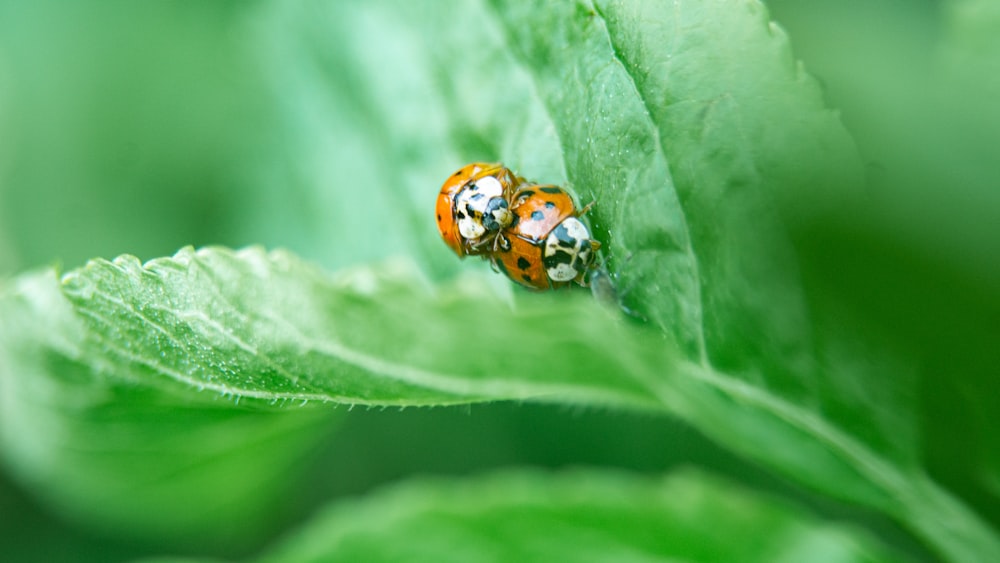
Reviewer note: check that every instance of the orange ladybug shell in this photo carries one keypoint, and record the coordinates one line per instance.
(537, 210)
(445, 207)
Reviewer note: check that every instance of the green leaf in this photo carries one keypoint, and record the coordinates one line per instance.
(125, 457)
(111, 379)
(918, 257)
(709, 154)
(267, 328)
(576, 516)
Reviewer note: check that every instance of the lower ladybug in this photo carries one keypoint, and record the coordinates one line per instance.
(473, 207)
(547, 246)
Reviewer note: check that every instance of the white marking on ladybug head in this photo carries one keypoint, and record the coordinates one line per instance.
(576, 229)
(471, 228)
(489, 187)
(561, 272)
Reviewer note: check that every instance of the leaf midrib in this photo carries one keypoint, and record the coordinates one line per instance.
(692, 256)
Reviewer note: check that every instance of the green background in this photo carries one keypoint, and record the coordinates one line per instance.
(143, 128)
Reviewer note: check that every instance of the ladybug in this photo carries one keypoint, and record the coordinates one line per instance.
(474, 206)
(546, 246)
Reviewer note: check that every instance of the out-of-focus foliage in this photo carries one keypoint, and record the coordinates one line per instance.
(917, 83)
(587, 517)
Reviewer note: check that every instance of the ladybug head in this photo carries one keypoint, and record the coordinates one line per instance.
(445, 208)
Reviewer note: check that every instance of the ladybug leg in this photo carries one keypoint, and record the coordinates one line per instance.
(501, 243)
(586, 208)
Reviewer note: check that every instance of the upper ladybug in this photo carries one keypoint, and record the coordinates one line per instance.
(474, 206)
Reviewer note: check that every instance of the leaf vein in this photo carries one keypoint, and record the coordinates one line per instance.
(689, 246)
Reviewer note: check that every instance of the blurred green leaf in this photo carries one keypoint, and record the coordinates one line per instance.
(126, 457)
(918, 85)
(127, 128)
(577, 516)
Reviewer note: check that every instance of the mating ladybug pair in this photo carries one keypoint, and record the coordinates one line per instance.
(532, 233)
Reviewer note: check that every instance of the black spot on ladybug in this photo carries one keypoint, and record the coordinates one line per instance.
(493, 206)
(522, 263)
(537, 215)
(549, 205)
(550, 189)
(457, 173)
(559, 257)
(495, 203)
(523, 195)
(526, 278)
(439, 217)
(563, 236)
